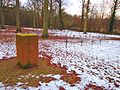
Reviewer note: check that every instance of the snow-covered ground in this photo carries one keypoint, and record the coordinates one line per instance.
(95, 61)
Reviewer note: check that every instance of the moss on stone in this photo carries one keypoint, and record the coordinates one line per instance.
(26, 35)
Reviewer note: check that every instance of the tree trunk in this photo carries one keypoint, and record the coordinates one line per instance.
(38, 19)
(112, 19)
(101, 21)
(42, 15)
(86, 17)
(18, 29)
(2, 15)
(34, 18)
(83, 12)
(60, 15)
(45, 20)
(34, 15)
(51, 14)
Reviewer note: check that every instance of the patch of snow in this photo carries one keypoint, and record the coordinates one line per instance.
(56, 76)
(94, 61)
(1, 85)
(98, 60)
(19, 84)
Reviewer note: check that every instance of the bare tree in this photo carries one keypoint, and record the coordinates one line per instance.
(102, 11)
(52, 4)
(116, 3)
(45, 20)
(35, 6)
(2, 15)
(86, 17)
(18, 28)
(83, 9)
(83, 13)
(60, 2)
(3, 5)
(51, 13)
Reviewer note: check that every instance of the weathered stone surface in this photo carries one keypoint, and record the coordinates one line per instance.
(27, 49)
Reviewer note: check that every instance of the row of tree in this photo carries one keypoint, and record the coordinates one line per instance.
(100, 13)
(34, 6)
(3, 5)
(50, 14)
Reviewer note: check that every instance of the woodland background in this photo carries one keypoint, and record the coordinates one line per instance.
(31, 15)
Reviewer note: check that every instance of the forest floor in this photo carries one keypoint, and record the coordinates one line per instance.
(68, 60)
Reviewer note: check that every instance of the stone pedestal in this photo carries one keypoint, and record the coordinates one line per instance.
(27, 49)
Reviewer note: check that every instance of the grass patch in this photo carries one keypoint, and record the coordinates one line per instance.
(10, 73)
(25, 66)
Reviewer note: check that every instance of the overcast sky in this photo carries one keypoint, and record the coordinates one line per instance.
(74, 7)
